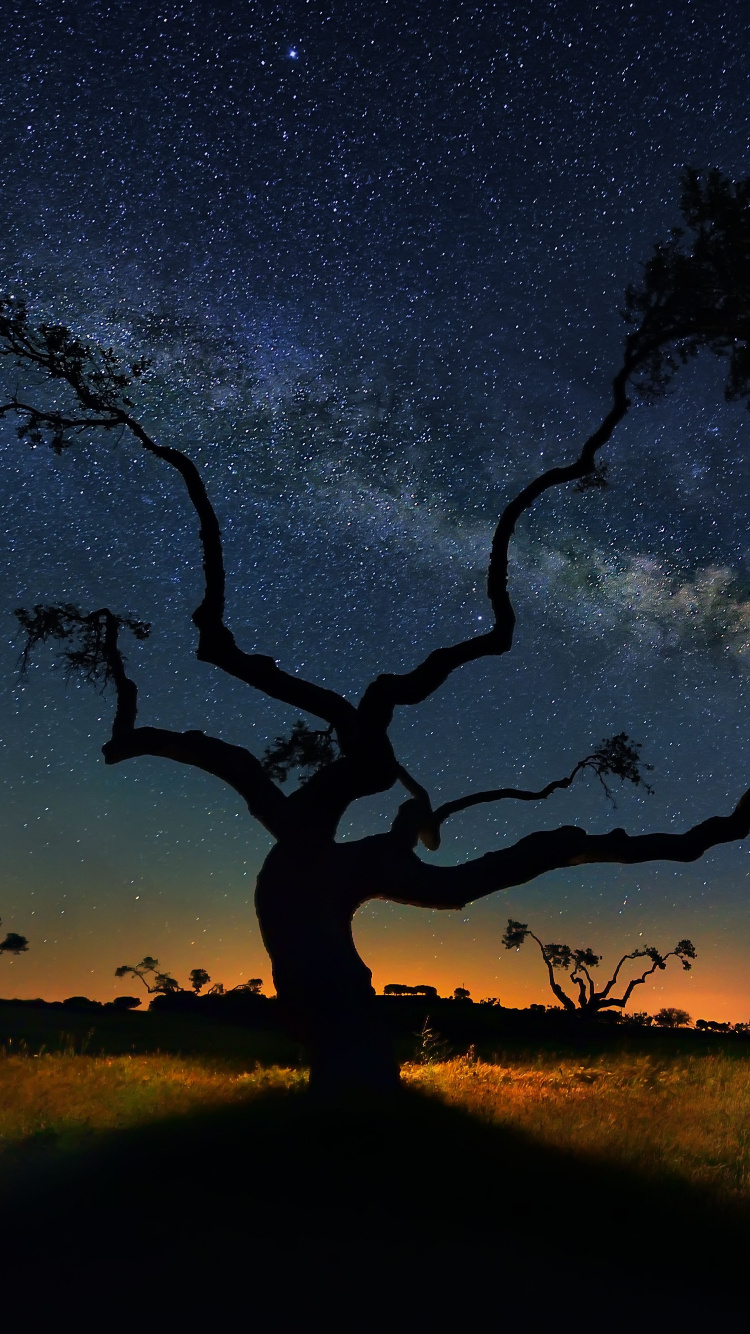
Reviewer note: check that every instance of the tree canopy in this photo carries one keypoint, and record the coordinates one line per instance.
(693, 296)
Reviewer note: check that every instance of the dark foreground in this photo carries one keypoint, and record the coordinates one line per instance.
(395, 1214)
(401, 1214)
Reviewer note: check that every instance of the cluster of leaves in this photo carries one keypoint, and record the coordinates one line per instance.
(560, 956)
(304, 749)
(684, 950)
(618, 756)
(93, 636)
(671, 1016)
(570, 961)
(13, 943)
(696, 289)
(97, 376)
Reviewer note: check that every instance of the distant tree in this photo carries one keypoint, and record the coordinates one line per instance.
(401, 989)
(576, 963)
(14, 944)
(671, 1017)
(253, 985)
(125, 1002)
(163, 983)
(139, 970)
(216, 990)
(166, 984)
(199, 978)
(462, 994)
(694, 294)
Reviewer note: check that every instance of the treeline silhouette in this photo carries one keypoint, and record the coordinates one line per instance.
(457, 1021)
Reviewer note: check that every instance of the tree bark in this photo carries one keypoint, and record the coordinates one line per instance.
(306, 897)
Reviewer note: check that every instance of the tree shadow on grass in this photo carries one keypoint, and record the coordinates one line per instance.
(392, 1212)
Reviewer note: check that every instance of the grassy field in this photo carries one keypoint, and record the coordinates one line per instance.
(685, 1117)
(64, 1099)
(682, 1117)
(211, 1180)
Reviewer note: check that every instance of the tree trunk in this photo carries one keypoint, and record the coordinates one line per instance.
(305, 899)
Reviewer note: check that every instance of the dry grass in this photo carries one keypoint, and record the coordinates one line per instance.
(685, 1116)
(67, 1097)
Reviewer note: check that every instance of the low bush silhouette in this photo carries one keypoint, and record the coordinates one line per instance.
(671, 1017)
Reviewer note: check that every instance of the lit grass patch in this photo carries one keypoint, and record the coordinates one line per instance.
(686, 1116)
(66, 1098)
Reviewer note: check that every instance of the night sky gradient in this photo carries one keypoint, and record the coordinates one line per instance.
(377, 252)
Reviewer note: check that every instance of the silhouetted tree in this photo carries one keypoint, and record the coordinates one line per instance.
(401, 989)
(671, 1017)
(198, 978)
(461, 993)
(694, 294)
(13, 944)
(577, 963)
(125, 1002)
(163, 983)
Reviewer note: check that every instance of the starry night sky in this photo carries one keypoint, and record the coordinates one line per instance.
(377, 252)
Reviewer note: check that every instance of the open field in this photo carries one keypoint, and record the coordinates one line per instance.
(687, 1117)
(211, 1179)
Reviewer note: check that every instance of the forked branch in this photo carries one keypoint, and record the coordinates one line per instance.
(413, 881)
(91, 645)
(694, 294)
(98, 382)
(616, 756)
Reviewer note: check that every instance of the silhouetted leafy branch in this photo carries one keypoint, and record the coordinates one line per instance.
(164, 984)
(93, 636)
(304, 749)
(695, 291)
(616, 756)
(13, 943)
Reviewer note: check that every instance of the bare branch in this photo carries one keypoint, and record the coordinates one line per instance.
(98, 382)
(504, 794)
(233, 764)
(390, 690)
(636, 954)
(695, 294)
(616, 755)
(216, 643)
(92, 647)
(562, 996)
(632, 984)
(579, 982)
(413, 881)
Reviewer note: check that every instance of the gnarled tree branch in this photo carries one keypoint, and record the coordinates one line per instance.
(414, 882)
(98, 384)
(233, 764)
(391, 689)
